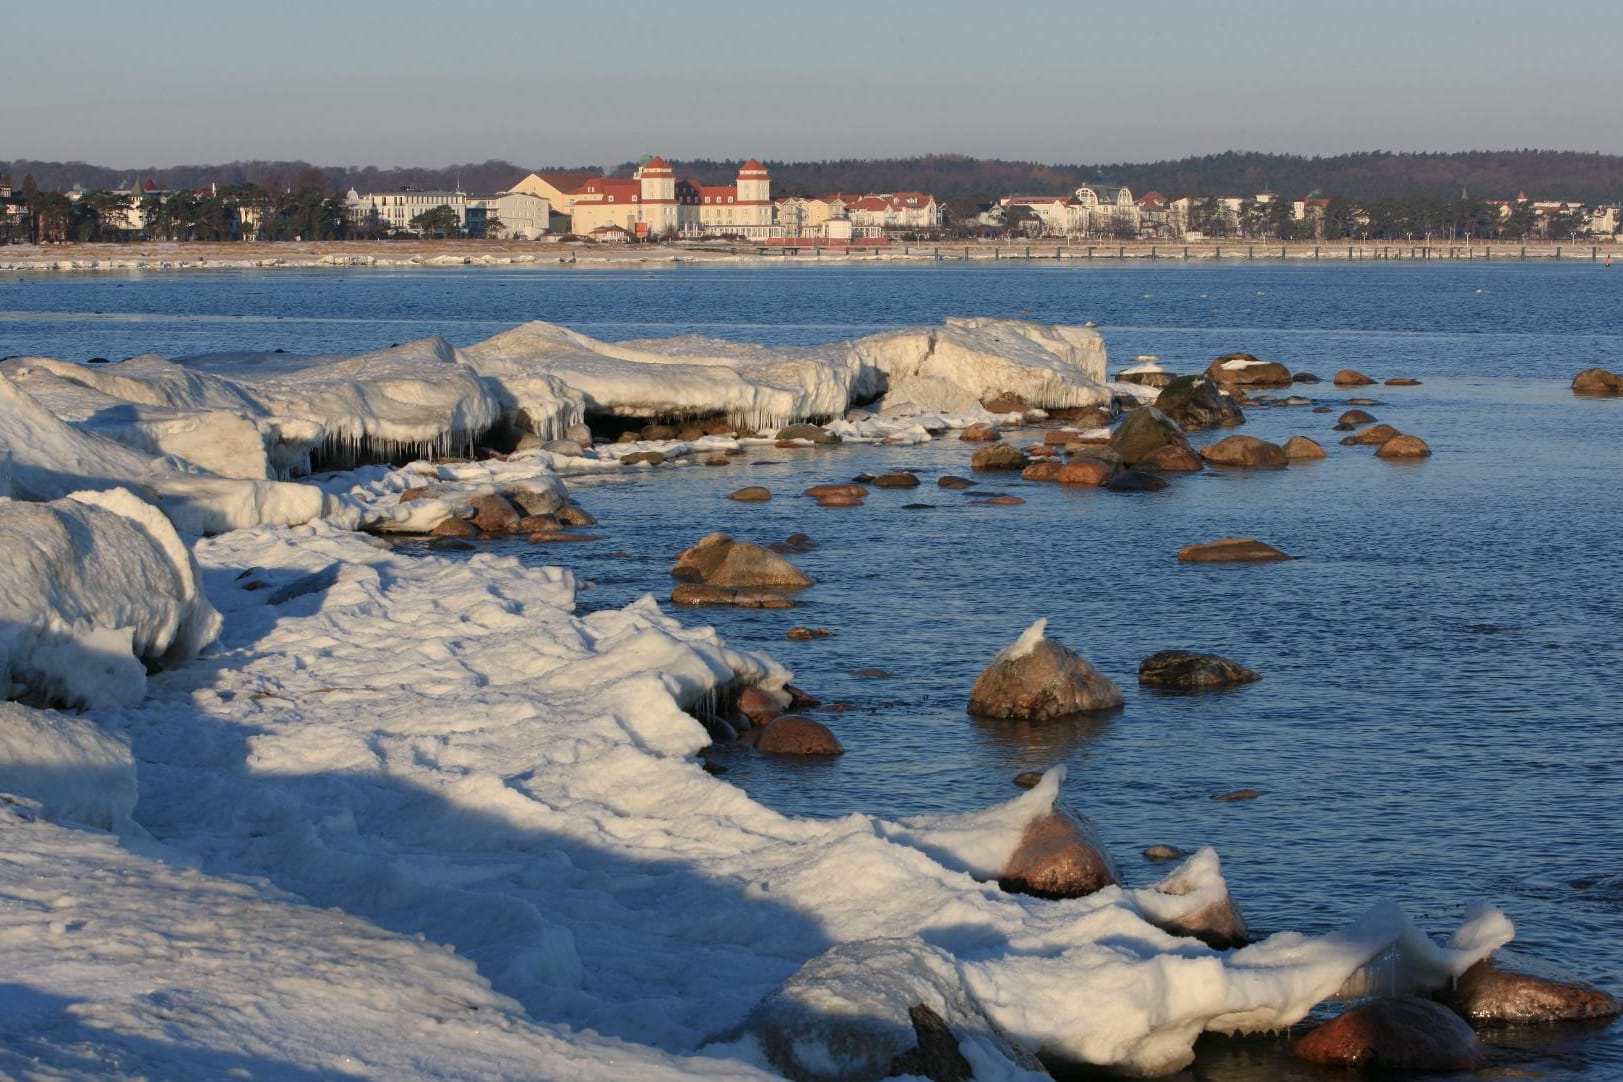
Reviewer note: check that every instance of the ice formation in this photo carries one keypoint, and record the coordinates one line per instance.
(417, 817)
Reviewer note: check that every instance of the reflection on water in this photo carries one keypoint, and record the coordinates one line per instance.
(1032, 745)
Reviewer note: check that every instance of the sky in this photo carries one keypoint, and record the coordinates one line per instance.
(415, 82)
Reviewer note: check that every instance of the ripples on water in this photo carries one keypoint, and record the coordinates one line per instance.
(1441, 666)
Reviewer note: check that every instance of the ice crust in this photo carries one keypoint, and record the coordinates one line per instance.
(379, 815)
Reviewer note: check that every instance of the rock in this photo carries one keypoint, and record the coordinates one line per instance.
(535, 524)
(1304, 377)
(548, 536)
(1597, 381)
(818, 492)
(570, 515)
(1136, 481)
(643, 458)
(1229, 550)
(689, 433)
(718, 560)
(1348, 377)
(757, 705)
(1407, 1033)
(1246, 452)
(1077, 452)
(1244, 370)
(628, 437)
(751, 494)
(800, 541)
(1172, 458)
(1160, 854)
(814, 433)
(1047, 470)
(1488, 995)
(1037, 679)
(1356, 418)
(998, 456)
(1145, 430)
(492, 513)
(999, 501)
(1365, 402)
(1403, 447)
(1091, 472)
(1056, 858)
(948, 480)
(1028, 779)
(800, 700)
(1147, 378)
(658, 433)
(1194, 402)
(796, 734)
(1185, 670)
(455, 527)
(980, 432)
(896, 479)
(1213, 917)
(871, 674)
(1403, 382)
(1300, 448)
(806, 634)
(839, 501)
(449, 544)
(1374, 435)
(421, 492)
(1005, 403)
(698, 593)
(1234, 796)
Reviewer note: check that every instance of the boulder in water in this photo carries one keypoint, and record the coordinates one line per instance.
(1037, 679)
(1404, 1034)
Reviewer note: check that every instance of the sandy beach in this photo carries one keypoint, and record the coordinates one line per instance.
(227, 255)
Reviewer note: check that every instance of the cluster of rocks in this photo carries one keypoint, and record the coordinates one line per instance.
(538, 515)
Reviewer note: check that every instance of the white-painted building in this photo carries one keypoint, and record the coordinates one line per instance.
(395, 210)
(654, 203)
(876, 215)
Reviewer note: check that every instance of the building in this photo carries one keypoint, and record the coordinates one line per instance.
(876, 215)
(520, 215)
(1111, 209)
(653, 203)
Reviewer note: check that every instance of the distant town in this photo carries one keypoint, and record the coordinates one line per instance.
(655, 204)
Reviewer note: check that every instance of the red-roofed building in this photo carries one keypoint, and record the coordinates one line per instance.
(654, 203)
(875, 215)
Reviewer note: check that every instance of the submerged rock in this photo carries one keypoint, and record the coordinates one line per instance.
(1185, 670)
(751, 494)
(698, 593)
(1488, 995)
(1229, 550)
(795, 734)
(1037, 679)
(1406, 1034)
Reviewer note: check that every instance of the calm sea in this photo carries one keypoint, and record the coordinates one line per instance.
(1442, 685)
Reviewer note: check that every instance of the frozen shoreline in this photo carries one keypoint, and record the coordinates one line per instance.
(228, 255)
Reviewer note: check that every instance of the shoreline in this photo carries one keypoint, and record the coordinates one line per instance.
(298, 255)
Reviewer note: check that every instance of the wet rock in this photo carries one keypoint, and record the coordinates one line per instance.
(1304, 377)
(455, 527)
(871, 674)
(948, 480)
(807, 634)
(1037, 679)
(1597, 381)
(980, 432)
(689, 433)
(1300, 448)
(570, 515)
(1195, 402)
(896, 479)
(1216, 921)
(1028, 779)
(1407, 1033)
(1143, 432)
(1047, 470)
(999, 501)
(716, 460)
(758, 706)
(1403, 447)
(1365, 402)
(998, 456)
(718, 560)
(1090, 472)
(799, 699)
(1488, 995)
(449, 544)
(1147, 378)
(1356, 417)
(1349, 377)
(1234, 796)
(1374, 435)
(937, 1056)
(1136, 481)
(535, 524)
(643, 458)
(814, 433)
(1056, 858)
(1244, 370)
(796, 734)
(698, 593)
(493, 513)
(1005, 403)
(1172, 458)
(1160, 854)
(421, 492)
(1245, 452)
(658, 433)
(851, 491)
(751, 494)
(628, 437)
(1186, 670)
(1402, 381)
(1229, 550)
(839, 501)
(541, 537)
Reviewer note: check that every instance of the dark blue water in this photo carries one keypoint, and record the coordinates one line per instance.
(1438, 718)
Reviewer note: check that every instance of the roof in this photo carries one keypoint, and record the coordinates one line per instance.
(656, 164)
(610, 187)
(752, 167)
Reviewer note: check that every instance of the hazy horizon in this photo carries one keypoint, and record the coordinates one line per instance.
(403, 85)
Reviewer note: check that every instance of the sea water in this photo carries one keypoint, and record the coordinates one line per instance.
(1438, 712)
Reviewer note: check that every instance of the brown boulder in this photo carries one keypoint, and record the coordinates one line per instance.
(1148, 378)
(535, 524)
(1244, 370)
(718, 560)
(998, 456)
(1172, 458)
(1085, 471)
(796, 734)
(948, 480)
(1374, 435)
(1304, 377)
(1194, 402)
(455, 527)
(1488, 995)
(1407, 1033)
(1037, 679)
(751, 494)
(757, 706)
(1403, 447)
(1185, 670)
(643, 458)
(1348, 377)
(1356, 417)
(814, 433)
(839, 500)
(807, 634)
(1137, 481)
(1143, 432)
(698, 593)
(1047, 470)
(1056, 858)
(1005, 403)
(1247, 452)
(570, 515)
(817, 492)
(1298, 448)
(896, 479)
(1229, 550)
(999, 501)
(421, 492)
(658, 433)
(1403, 381)
(1597, 381)
(1219, 923)
(493, 512)
(980, 432)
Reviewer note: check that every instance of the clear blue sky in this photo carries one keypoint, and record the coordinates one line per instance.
(352, 82)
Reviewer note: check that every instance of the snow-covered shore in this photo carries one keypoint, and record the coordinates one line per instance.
(386, 816)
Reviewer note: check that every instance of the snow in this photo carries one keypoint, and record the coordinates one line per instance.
(383, 815)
